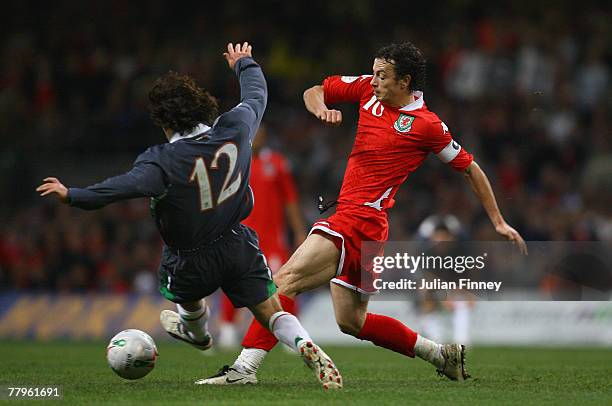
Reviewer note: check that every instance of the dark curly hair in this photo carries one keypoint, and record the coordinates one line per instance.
(177, 102)
(407, 59)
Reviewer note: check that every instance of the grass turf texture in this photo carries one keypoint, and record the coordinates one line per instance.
(372, 376)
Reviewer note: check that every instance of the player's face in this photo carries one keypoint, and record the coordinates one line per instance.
(386, 86)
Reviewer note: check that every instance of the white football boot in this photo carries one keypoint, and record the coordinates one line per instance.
(171, 322)
(454, 362)
(228, 376)
(322, 365)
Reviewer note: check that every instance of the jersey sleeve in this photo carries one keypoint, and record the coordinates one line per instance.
(447, 149)
(253, 98)
(338, 89)
(286, 181)
(145, 179)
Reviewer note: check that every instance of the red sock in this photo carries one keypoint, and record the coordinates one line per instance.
(228, 312)
(259, 336)
(389, 333)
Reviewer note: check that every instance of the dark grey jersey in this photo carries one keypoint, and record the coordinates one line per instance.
(198, 183)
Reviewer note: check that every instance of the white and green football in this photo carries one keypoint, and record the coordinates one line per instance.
(131, 354)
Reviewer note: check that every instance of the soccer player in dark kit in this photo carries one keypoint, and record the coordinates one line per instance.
(198, 185)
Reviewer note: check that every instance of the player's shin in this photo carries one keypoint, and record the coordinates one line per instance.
(388, 333)
(288, 330)
(392, 334)
(259, 336)
(429, 350)
(258, 340)
(195, 319)
(249, 360)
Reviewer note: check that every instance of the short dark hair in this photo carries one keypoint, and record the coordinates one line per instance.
(407, 60)
(177, 102)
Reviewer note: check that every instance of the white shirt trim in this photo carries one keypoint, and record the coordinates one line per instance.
(200, 128)
(419, 100)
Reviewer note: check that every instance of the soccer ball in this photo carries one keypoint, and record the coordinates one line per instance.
(131, 354)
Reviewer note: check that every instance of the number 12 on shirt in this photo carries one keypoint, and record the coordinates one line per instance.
(200, 174)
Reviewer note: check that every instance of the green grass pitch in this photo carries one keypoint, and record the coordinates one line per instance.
(372, 376)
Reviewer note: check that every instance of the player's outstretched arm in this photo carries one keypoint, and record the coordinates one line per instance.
(314, 99)
(253, 88)
(144, 180)
(482, 188)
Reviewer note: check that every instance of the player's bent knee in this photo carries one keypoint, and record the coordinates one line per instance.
(350, 325)
(289, 288)
(288, 280)
(349, 328)
(280, 277)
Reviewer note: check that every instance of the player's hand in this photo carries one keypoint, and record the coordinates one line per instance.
(53, 186)
(330, 117)
(512, 235)
(236, 52)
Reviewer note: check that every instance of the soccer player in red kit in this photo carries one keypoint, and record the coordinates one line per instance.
(395, 133)
(275, 212)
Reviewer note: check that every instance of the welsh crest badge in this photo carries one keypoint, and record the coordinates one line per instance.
(403, 123)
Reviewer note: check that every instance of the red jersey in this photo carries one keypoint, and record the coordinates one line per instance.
(390, 143)
(273, 188)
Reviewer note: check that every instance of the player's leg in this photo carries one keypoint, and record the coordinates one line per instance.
(312, 265)
(288, 330)
(316, 253)
(350, 309)
(285, 326)
(180, 283)
(190, 324)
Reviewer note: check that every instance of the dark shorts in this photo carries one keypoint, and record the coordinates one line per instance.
(233, 263)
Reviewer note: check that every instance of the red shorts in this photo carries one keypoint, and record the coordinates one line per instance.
(350, 226)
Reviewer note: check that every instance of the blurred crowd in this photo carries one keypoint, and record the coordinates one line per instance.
(527, 89)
